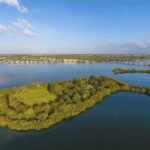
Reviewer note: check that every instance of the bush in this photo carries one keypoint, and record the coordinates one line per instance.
(68, 101)
(84, 96)
(42, 116)
(76, 98)
(92, 91)
(37, 109)
(6, 92)
(98, 92)
(11, 114)
(30, 87)
(35, 105)
(63, 82)
(50, 88)
(70, 94)
(46, 108)
(43, 104)
(20, 108)
(78, 82)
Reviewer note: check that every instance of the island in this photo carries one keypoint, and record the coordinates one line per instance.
(122, 71)
(41, 105)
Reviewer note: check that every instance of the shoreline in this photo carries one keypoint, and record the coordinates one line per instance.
(67, 109)
(123, 71)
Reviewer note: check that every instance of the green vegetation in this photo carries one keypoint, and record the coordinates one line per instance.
(41, 105)
(70, 58)
(30, 97)
(122, 71)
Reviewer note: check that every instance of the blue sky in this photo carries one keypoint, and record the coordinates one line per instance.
(74, 27)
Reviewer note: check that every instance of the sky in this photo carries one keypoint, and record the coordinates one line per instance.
(74, 27)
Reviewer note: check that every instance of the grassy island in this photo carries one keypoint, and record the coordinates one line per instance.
(41, 105)
(122, 71)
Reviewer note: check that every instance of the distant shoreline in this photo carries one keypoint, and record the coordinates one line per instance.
(122, 71)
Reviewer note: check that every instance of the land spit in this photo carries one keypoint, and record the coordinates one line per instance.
(41, 106)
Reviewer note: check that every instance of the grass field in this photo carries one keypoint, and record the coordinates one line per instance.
(34, 96)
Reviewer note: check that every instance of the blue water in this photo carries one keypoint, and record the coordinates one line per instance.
(120, 121)
(15, 75)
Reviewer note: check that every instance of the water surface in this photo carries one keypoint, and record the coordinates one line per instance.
(119, 122)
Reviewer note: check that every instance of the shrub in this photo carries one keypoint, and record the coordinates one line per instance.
(43, 104)
(65, 97)
(63, 82)
(66, 91)
(50, 88)
(68, 101)
(42, 116)
(78, 82)
(84, 96)
(6, 92)
(70, 94)
(20, 108)
(35, 105)
(12, 107)
(98, 92)
(92, 91)
(37, 109)
(30, 87)
(47, 108)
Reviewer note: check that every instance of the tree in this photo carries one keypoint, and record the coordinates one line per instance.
(95, 83)
(76, 98)
(92, 91)
(66, 91)
(50, 88)
(78, 82)
(70, 94)
(65, 97)
(84, 96)
(63, 82)
(68, 101)
(81, 91)
(92, 79)
(76, 89)
(6, 92)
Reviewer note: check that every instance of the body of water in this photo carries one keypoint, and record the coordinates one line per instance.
(120, 121)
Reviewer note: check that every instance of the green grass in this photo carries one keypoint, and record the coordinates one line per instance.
(34, 96)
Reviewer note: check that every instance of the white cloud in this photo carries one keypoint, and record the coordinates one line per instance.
(14, 3)
(140, 44)
(11, 35)
(143, 45)
(27, 23)
(11, 28)
(28, 33)
(18, 24)
(2, 28)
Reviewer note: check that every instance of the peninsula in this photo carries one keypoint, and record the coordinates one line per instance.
(40, 105)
